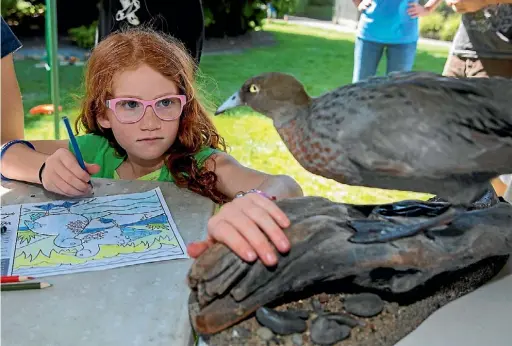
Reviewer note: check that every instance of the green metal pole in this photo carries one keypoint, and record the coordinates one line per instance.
(52, 58)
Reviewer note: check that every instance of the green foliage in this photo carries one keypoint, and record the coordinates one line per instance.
(235, 17)
(450, 27)
(8, 6)
(444, 9)
(286, 6)
(84, 35)
(232, 17)
(441, 25)
(17, 10)
(431, 25)
(208, 17)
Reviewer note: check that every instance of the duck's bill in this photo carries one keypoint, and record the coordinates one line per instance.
(232, 102)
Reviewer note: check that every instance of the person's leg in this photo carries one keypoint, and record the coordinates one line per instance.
(455, 67)
(478, 68)
(367, 55)
(400, 57)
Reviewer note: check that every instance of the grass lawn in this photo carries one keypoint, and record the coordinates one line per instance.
(321, 59)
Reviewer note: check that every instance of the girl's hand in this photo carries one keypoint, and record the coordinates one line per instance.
(63, 175)
(245, 226)
(364, 4)
(415, 10)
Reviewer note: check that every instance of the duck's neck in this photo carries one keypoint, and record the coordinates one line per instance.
(291, 126)
(285, 117)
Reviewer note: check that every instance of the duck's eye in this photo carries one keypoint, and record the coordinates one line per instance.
(254, 88)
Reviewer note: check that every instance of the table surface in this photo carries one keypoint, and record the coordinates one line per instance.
(143, 304)
(482, 317)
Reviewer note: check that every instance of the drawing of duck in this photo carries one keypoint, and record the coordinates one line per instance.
(64, 226)
(91, 242)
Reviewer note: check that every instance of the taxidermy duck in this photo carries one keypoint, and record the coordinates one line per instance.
(411, 131)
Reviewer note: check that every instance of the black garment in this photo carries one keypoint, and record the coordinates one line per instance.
(182, 19)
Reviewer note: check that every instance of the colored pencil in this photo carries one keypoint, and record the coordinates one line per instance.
(24, 286)
(16, 278)
(74, 143)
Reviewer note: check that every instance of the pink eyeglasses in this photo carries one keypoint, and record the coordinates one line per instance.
(131, 110)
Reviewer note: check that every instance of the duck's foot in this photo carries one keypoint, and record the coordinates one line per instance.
(411, 208)
(369, 231)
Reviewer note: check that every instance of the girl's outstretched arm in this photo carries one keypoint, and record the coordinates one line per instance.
(234, 177)
(251, 223)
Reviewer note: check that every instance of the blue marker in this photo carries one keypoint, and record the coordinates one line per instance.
(72, 138)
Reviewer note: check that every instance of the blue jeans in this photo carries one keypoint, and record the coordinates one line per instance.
(367, 54)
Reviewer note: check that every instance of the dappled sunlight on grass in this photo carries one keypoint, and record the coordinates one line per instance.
(322, 60)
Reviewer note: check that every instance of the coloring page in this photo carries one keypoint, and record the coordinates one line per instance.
(96, 233)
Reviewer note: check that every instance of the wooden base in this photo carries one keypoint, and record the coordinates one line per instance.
(225, 289)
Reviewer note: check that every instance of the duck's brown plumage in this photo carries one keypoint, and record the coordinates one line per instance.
(413, 131)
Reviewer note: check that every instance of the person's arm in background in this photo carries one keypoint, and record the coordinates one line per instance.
(417, 10)
(362, 4)
(12, 122)
(466, 6)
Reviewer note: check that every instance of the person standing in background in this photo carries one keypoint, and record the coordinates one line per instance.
(390, 25)
(482, 47)
(13, 116)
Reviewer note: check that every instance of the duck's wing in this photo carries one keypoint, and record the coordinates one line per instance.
(429, 125)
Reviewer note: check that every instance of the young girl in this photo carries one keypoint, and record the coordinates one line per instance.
(143, 121)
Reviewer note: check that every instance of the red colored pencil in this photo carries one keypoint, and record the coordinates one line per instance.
(16, 278)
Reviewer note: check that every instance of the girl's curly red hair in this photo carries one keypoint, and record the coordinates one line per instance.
(127, 49)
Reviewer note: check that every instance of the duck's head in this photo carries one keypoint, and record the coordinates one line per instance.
(270, 94)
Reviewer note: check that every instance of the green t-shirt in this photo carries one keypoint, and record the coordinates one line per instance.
(96, 149)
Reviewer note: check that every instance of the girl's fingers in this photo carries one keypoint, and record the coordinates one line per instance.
(224, 232)
(92, 168)
(72, 180)
(196, 249)
(277, 214)
(74, 168)
(245, 226)
(65, 182)
(56, 189)
(268, 225)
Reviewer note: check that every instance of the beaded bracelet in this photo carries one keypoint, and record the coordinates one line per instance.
(7, 146)
(242, 193)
